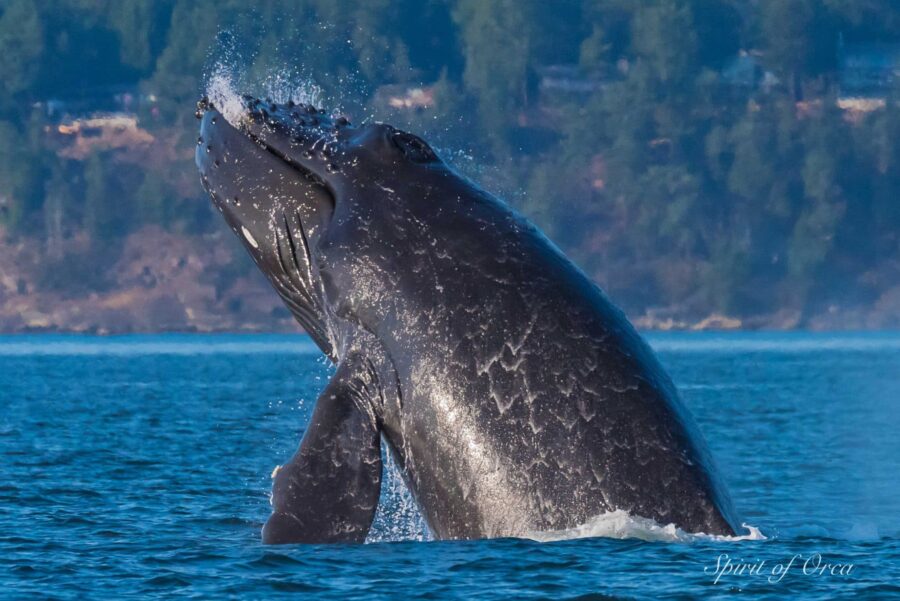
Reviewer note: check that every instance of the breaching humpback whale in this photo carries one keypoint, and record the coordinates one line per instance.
(514, 395)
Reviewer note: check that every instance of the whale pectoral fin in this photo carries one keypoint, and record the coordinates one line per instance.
(329, 489)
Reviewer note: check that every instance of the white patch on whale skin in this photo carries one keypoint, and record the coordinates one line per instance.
(275, 471)
(250, 239)
(620, 524)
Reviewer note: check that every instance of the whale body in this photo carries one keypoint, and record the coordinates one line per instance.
(514, 395)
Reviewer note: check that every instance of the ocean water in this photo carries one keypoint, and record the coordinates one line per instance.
(136, 467)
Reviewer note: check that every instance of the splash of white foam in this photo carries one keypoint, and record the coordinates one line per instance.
(398, 517)
(224, 90)
(282, 86)
(619, 524)
(220, 90)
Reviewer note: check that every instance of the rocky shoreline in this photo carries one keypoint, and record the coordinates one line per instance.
(160, 282)
(165, 282)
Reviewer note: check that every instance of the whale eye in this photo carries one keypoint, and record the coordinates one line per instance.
(413, 147)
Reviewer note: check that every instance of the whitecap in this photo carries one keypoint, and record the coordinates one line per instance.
(137, 345)
(620, 524)
(768, 342)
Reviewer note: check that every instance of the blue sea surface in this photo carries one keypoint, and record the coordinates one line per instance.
(139, 466)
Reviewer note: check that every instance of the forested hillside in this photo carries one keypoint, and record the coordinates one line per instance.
(696, 157)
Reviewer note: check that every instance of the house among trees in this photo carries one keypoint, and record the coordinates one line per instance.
(107, 99)
(80, 137)
(681, 171)
(569, 79)
(867, 74)
(746, 72)
(404, 97)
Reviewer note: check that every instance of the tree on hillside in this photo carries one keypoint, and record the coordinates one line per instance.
(19, 177)
(141, 26)
(663, 34)
(798, 39)
(21, 48)
(194, 25)
(718, 27)
(503, 40)
(496, 40)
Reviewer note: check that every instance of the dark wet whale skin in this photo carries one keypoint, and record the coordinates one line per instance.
(515, 395)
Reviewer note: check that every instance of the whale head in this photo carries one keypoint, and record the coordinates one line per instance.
(282, 174)
(278, 209)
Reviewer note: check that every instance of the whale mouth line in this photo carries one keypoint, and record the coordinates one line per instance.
(242, 126)
(310, 175)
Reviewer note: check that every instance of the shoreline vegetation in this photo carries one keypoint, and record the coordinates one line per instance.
(711, 164)
(165, 282)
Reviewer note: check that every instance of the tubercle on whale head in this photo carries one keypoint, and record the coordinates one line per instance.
(329, 146)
